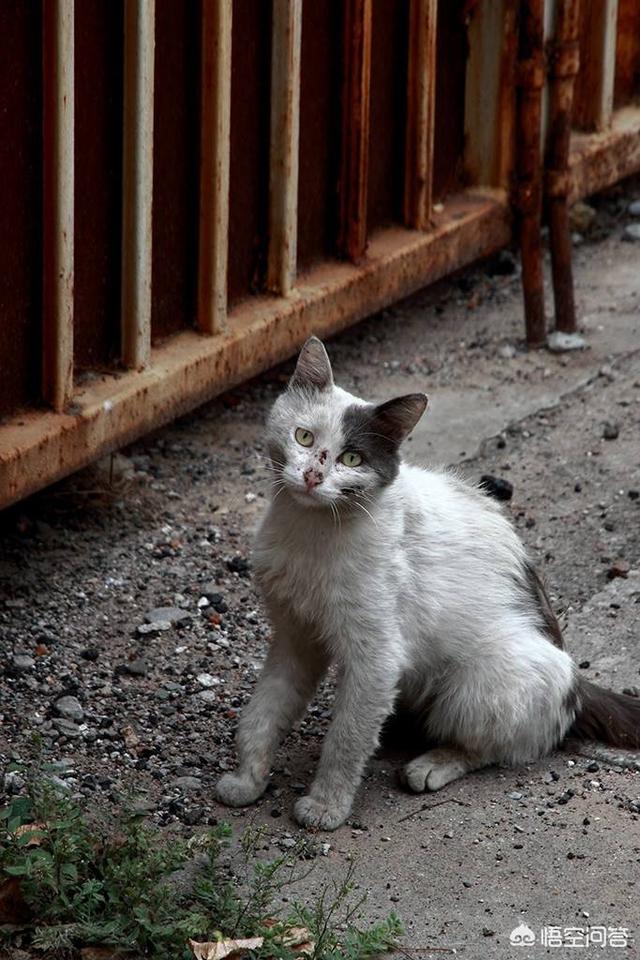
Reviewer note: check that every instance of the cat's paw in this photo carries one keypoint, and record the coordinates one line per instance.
(238, 790)
(316, 813)
(434, 770)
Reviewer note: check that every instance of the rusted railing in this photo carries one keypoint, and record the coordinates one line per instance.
(222, 179)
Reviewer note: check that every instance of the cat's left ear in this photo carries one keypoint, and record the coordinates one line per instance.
(313, 369)
(396, 418)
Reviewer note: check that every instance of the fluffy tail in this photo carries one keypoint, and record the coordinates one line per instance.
(605, 716)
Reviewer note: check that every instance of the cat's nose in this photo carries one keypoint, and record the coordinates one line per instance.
(312, 478)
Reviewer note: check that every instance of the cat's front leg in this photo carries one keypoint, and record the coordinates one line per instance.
(286, 684)
(365, 699)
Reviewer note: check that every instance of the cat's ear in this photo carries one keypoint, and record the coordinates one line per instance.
(313, 369)
(396, 418)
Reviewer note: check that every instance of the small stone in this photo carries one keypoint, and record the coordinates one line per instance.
(13, 782)
(238, 565)
(21, 663)
(560, 342)
(135, 668)
(611, 431)
(584, 664)
(207, 680)
(250, 497)
(507, 351)
(496, 487)
(67, 728)
(168, 615)
(288, 843)
(90, 653)
(515, 795)
(593, 767)
(487, 932)
(577, 487)
(618, 569)
(631, 233)
(70, 708)
(634, 208)
(633, 494)
(207, 696)
(631, 691)
(188, 784)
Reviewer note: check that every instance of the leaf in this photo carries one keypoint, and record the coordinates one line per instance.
(299, 940)
(30, 834)
(219, 949)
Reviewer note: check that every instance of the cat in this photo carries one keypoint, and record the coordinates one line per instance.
(417, 588)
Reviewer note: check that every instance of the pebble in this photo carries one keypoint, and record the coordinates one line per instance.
(611, 430)
(13, 782)
(67, 728)
(632, 691)
(188, 784)
(169, 615)
(207, 680)
(515, 795)
(134, 668)
(634, 208)
(70, 708)
(507, 351)
(631, 233)
(207, 696)
(22, 663)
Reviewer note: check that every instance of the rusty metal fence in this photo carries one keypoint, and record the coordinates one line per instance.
(191, 188)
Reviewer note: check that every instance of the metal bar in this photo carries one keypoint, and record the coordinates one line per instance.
(215, 114)
(489, 101)
(285, 132)
(137, 185)
(58, 201)
(593, 94)
(421, 87)
(354, 165)
(564, 64)
(528, 194)
(189, 369)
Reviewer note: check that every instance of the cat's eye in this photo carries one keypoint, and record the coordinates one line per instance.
(350, 459)
(304, 437)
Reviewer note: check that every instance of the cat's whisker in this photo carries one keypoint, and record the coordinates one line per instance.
(364, 509)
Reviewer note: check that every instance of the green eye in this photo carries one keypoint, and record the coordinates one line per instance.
(350, 459)
(304, 437)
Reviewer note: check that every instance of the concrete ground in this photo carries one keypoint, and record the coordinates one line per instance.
(168, 523)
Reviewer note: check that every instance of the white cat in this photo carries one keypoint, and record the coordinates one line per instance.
(415, 585)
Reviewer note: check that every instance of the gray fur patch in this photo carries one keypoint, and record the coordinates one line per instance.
(537, 593)
(362, 436)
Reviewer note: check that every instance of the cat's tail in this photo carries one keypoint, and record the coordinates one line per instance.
(605, 716)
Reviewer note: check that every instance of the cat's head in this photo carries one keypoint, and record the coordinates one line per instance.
(328, 447)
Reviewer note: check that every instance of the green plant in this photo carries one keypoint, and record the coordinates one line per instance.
(125, 885)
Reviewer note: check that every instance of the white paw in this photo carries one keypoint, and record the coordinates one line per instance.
(432, 771)
(315, 813)
(238, 790)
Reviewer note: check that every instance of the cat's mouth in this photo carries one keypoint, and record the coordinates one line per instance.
(310, 497)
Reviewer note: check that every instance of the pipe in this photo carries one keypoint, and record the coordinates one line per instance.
(528, 199)
(564, 63)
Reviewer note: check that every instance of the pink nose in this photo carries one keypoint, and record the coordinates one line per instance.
(312, 478)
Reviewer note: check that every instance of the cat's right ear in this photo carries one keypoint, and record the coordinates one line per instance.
(313, 369)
